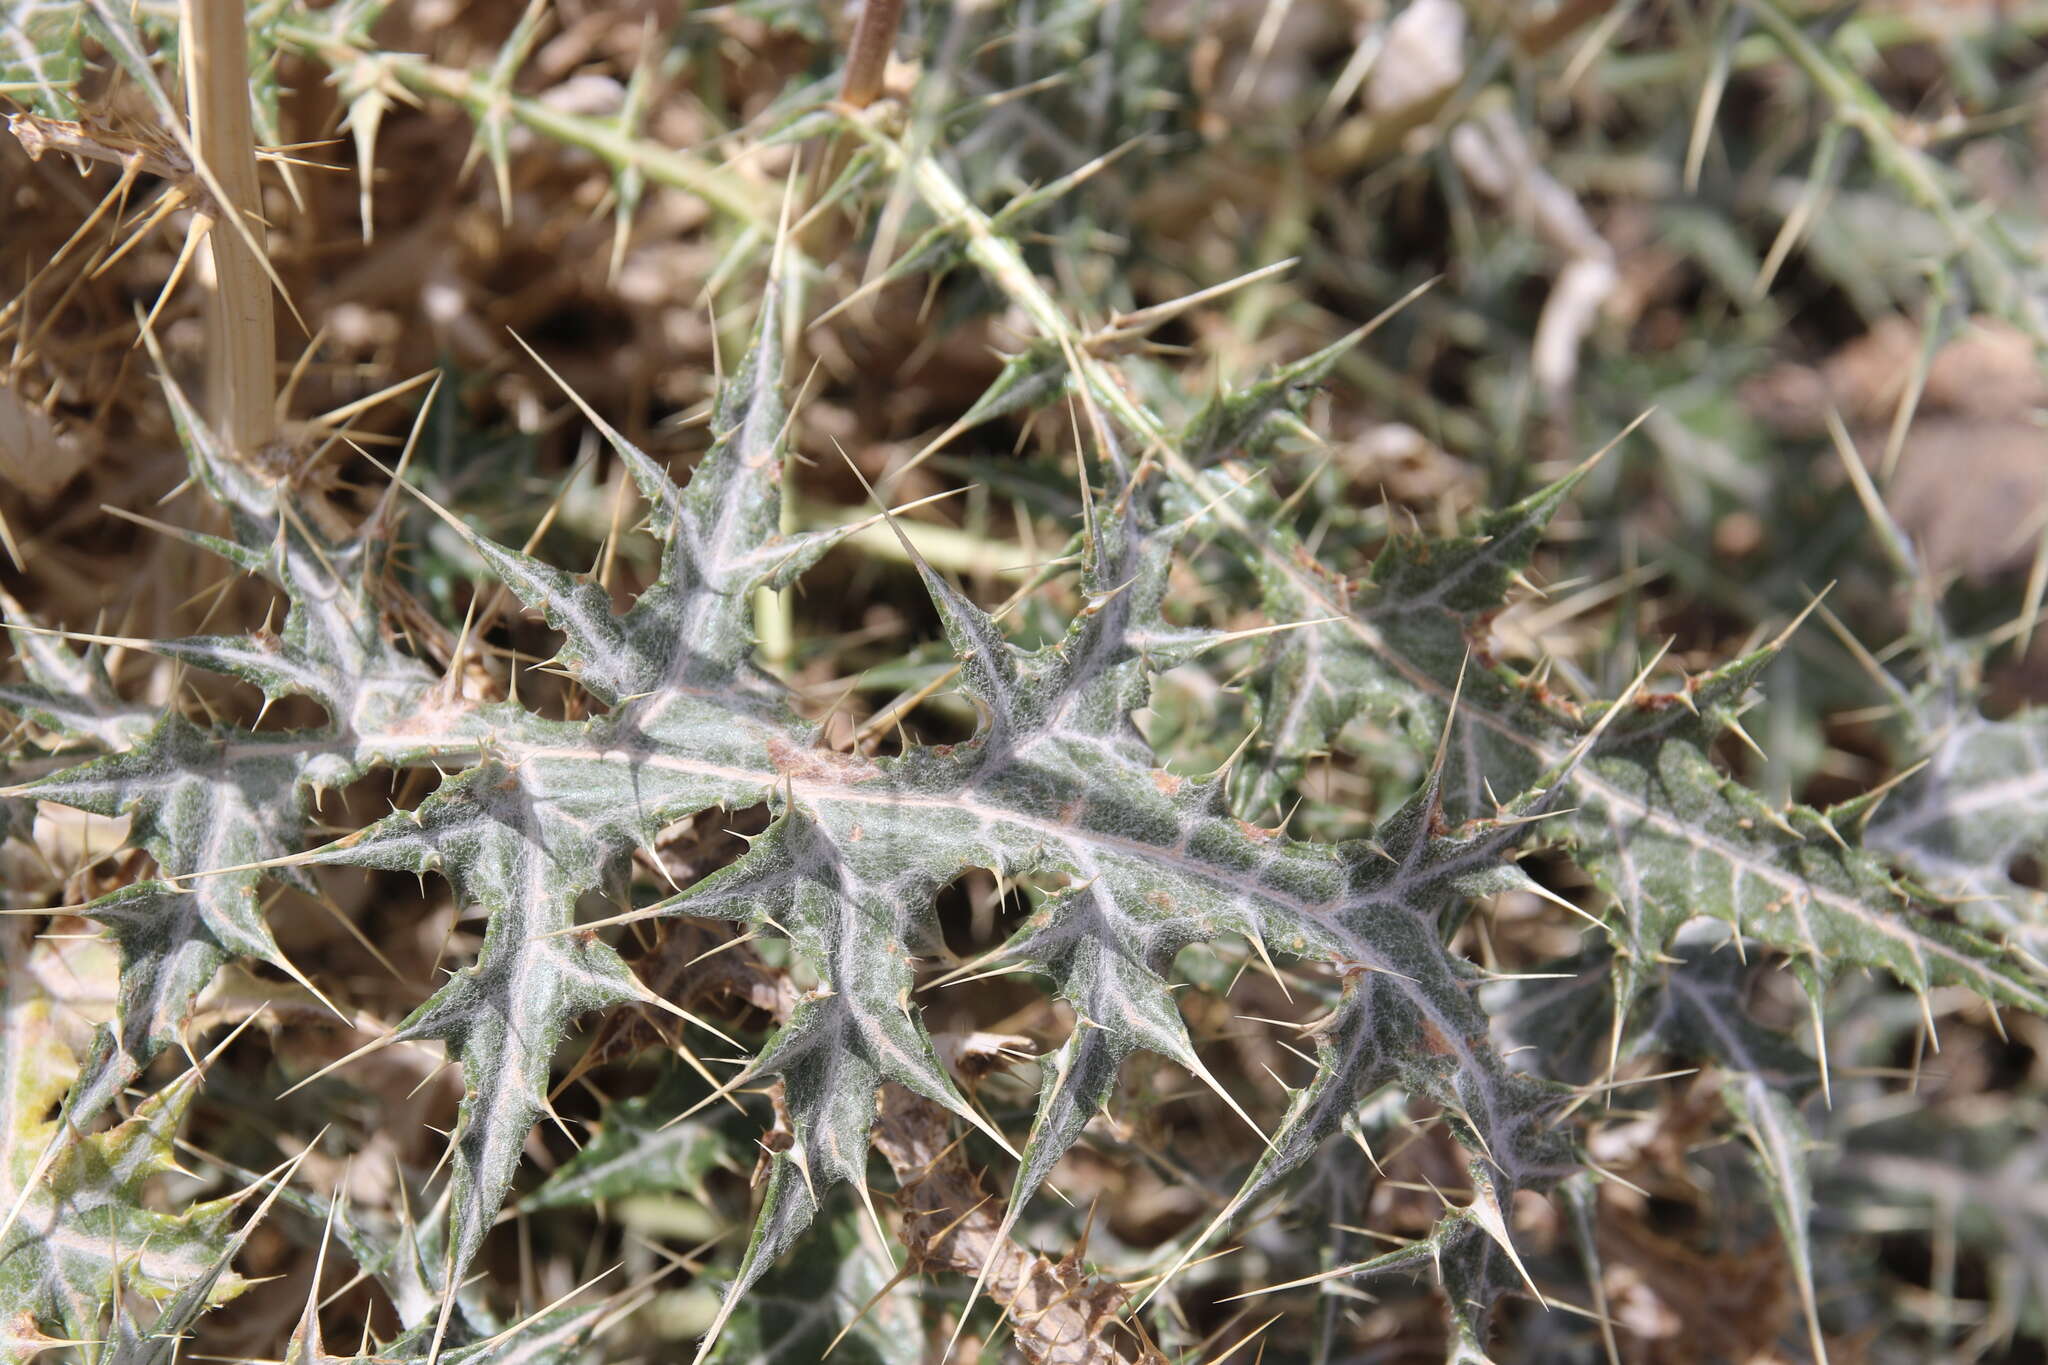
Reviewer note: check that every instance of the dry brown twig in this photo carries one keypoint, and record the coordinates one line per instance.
(241, 323)
(213, 172)
(867, 55)
(40, 135)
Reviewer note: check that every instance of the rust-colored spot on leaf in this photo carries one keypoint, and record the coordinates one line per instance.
(818, 765)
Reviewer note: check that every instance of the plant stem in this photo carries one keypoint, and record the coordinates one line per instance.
(867, 56)
(240, 322)
(676, 168)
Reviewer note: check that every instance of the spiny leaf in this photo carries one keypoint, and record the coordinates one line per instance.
(332, 647)
(196, 801)
(1779, 1140)
(1667, 834)
(721, 538)
(1242, 425)
(1962, 824)
(175, 1320)
(641, 1149)
(518, 845)
(204, 799)
(1057, 783)
(1700, 1015)
(68, 692)
(1057, 787)
(78, 1225)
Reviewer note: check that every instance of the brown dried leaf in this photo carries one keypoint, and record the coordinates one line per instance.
(1061, 1314)
(35, 456)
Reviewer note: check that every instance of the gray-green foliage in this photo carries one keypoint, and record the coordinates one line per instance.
(40, 57)
(78, 1234)
(1965, 821)
(1058, 784)
(1057, 788)
(1668, 835)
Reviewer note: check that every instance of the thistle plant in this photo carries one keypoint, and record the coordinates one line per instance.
(781, 987)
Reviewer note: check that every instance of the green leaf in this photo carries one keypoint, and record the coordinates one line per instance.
(69, 693)
(1962, 824)
(1664, 831)
(797, 1311)
(40, 61)
(197, 801)
(690, 632)
(535, 821)
(641, 1148)
(206, 799)
(1700, 1015)
(78, 1227)
(523, 847)
(1779, 1142)
(1057, 784)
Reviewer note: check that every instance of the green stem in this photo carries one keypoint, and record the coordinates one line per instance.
(716, 185)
